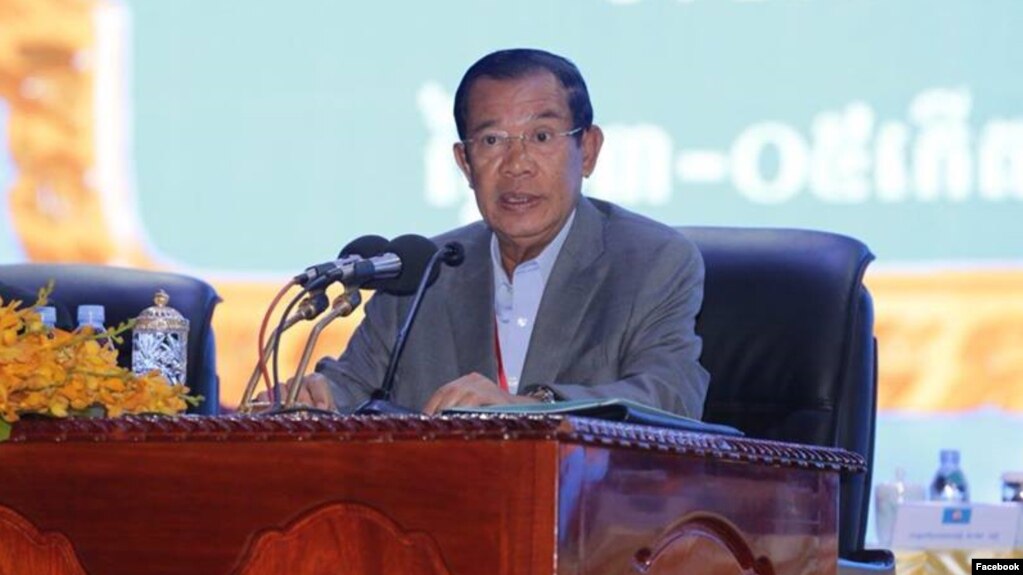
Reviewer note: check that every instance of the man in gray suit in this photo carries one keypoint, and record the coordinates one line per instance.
(560, 297)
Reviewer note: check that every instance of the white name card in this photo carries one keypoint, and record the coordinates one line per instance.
(939, 525)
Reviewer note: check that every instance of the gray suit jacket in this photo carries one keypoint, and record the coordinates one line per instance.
(616, 320)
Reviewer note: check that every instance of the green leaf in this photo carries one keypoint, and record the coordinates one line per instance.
(5, 430)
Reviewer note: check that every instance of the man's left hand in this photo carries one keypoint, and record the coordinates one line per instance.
(471, 390)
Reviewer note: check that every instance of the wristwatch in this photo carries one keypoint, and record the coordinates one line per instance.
(543, 394)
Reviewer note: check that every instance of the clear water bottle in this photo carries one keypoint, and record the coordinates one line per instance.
(94, 316)
(887, 498)
(949, 482)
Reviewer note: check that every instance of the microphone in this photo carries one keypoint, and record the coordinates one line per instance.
(351, 269)
(314, 304)
(379, 403)
(369, 261)
(395, 268)
(415, 252)
(361, 248)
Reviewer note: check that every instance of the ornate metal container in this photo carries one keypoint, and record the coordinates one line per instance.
(160, 341)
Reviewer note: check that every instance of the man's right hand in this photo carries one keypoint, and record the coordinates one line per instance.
(315, 392)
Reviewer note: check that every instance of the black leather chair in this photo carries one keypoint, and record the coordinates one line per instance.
(787, 327)
(125, 293)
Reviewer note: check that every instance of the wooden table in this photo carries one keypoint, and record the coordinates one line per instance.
(433, 495)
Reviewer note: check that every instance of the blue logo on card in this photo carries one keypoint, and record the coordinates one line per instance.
(955, 516)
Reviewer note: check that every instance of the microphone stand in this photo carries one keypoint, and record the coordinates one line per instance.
(379, 403)
(343, 306)
(312, 306)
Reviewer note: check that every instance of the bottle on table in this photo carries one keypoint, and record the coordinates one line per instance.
(94, 318)
(887, 498)
(1012, 487)
(949, 482)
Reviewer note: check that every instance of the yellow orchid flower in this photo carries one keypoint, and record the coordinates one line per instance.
(56, 372)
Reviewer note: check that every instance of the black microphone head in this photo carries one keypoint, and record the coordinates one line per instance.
(364, 247)
(454, 254)
(415, 253)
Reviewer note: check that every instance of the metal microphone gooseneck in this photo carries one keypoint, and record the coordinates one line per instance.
(313, 305)
(380, 401)
(343, 306)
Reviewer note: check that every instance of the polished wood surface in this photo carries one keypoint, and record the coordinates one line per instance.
(701, 543)
(465, 495)
(23, 549)
(337, 535)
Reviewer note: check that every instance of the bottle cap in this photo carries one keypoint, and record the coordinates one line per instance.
(950, 456)
(48, 315)
(91, 315)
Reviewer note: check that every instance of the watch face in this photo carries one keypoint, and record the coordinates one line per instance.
(544, 394)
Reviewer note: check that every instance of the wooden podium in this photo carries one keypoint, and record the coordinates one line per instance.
(488, 495)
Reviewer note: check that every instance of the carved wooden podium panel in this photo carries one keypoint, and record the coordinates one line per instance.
(418, 495)
(336, 536)
(23, 549)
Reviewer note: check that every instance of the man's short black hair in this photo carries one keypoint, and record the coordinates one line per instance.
(518, 63)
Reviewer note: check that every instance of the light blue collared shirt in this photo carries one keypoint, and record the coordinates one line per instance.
(517, 300)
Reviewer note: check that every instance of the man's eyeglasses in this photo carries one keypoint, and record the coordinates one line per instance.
(493, 144)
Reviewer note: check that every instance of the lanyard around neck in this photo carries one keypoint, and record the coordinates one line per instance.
(502, 379)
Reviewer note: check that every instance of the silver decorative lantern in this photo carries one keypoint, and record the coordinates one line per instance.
(160, 341)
